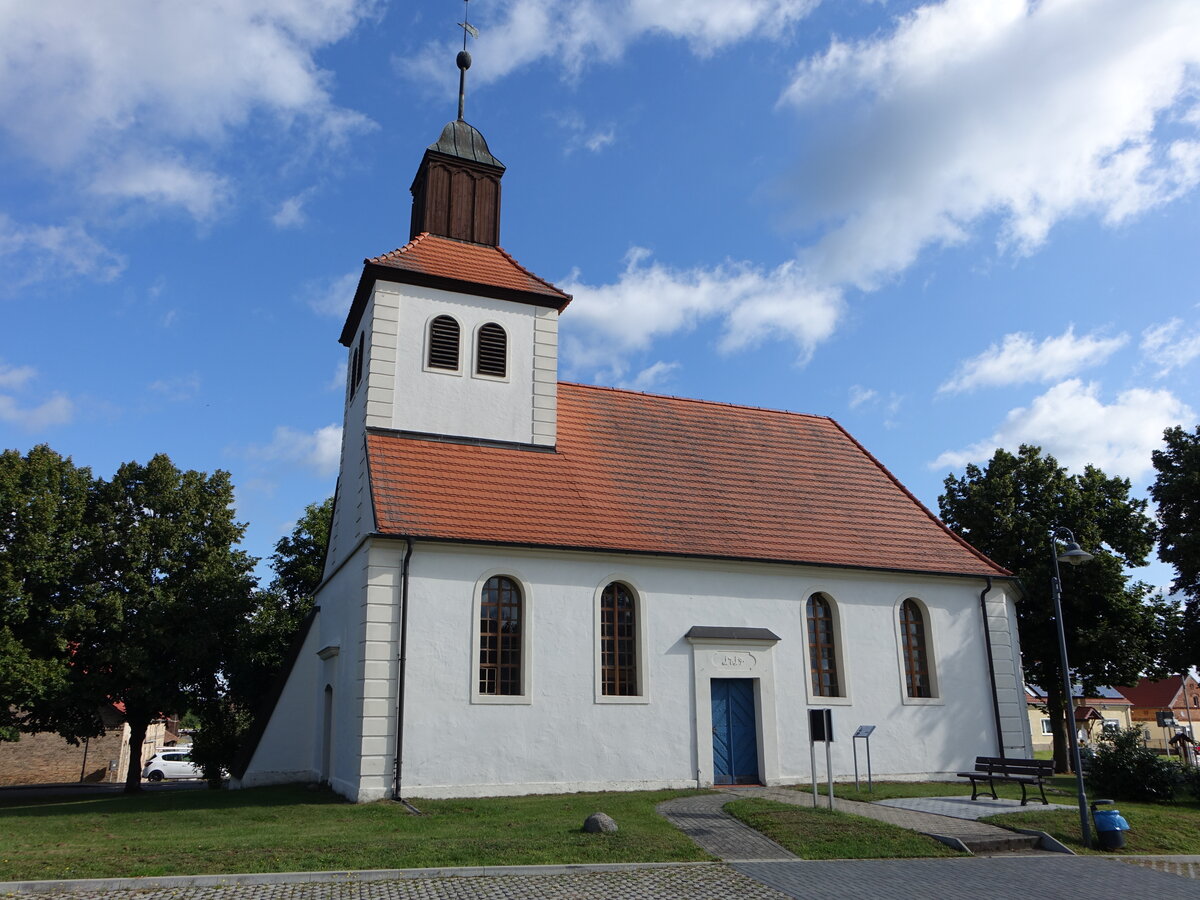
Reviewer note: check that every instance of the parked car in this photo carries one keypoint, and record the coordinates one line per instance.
(172, 762)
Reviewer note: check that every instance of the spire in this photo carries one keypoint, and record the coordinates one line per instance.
(456, 192)
(463, 60)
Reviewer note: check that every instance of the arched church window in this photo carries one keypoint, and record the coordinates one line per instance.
(822, 648)
(491, 351)
(618, 642)
(500, 637)
(916, 655)
(443, 343)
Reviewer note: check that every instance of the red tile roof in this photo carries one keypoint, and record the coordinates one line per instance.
(478, 264)
(1156, 694)
(644, 473)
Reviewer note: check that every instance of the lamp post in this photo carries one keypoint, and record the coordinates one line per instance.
(1072, 556)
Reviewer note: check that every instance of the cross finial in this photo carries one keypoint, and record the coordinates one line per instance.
(464, 60)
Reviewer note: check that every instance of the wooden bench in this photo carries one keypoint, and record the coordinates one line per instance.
(992, 769)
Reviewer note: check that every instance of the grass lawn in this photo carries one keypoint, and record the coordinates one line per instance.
(290, 828)
(1154, 827)
(828, 834)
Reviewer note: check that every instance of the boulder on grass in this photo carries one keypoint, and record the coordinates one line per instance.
(599, 822)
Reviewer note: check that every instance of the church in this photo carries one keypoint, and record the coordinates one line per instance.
(535, 586)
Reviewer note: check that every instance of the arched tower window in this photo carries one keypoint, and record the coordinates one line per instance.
(822, 648)
(443, 343)
(618, 642)
(500, 637)
(491, 351)
(916, 655)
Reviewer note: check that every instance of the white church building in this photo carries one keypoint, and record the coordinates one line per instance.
(535, 586)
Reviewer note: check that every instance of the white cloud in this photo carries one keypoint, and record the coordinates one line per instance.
(165, 182)
(33, 253)
(319, 450)
(1169, 346)
(860, 395)
(652, 377)
(609, 323)
(15, 376)
(1023, 112)
(581, 135)
(291, 212)
(579, 32)
(333, 296)
(1073, 424)
(84, 88)
(1017, 360)
(177, 389)
(58, 410)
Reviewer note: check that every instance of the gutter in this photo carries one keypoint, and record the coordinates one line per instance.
(987, 643)
(402, 663)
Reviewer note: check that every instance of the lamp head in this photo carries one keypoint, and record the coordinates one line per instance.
(1074, 555)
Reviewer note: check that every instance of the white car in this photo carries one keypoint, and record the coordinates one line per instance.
(172, 762)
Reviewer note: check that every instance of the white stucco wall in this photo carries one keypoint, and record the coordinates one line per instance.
(286, 751)
(562, 737)
(406, 395)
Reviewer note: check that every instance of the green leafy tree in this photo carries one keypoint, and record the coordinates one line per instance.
(168, 594)
(227, 705)
(1176, 492)
(1114, 628)
(43, 506)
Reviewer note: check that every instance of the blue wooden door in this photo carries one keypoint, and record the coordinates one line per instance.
(735, 731)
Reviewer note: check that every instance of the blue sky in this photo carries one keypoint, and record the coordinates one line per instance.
(951, 226)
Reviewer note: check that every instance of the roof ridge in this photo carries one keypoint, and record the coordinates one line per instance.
(913, 497)
(698, 400)
(531, 274)
(412, 243)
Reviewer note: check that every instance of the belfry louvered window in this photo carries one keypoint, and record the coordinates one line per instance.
(916, 655)
(500, 633)
(491, 354)
(443, 343)
(822, 648)
(618, 642)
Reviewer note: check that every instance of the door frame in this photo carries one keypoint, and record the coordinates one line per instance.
(734, 653)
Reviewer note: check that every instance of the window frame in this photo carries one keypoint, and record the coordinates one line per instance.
(428, 349)
(1047, 729)
(475, 343)
(935, 694)
(639, 643)
(842, 698)
(525, 697)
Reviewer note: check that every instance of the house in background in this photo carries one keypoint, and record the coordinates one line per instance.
(47, 758)
(1181, 697)
(536, 586)
(1105, 710)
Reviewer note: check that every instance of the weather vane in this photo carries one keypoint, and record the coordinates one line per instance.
(464, 60)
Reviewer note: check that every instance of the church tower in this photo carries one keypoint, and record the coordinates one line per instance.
(449, 337)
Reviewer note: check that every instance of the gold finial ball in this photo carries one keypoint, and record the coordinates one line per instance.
(463, 59)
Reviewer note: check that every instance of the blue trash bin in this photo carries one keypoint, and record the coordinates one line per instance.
(1110, 827)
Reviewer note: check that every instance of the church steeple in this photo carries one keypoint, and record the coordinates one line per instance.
(456, 192)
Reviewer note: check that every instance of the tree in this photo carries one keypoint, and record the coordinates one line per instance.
(1176, 492)
(43, 504)
(1114, 628)
(168, 594)
(226, 707)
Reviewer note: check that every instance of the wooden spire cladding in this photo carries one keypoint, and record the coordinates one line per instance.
(456, 193)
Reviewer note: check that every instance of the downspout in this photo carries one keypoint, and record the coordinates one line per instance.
(987, 643)
(402, 662)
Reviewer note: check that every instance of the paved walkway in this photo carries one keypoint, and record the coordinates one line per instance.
(966, 808)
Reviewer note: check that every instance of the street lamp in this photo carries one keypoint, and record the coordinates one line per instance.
(1072, 556)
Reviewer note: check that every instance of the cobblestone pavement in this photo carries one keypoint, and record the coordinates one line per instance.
(1057, 875)
(703, 881)
(1187, 866)
(924, 822)
(702, 819)
(966, 808)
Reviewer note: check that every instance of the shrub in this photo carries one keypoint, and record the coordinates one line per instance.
(1123, 768)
